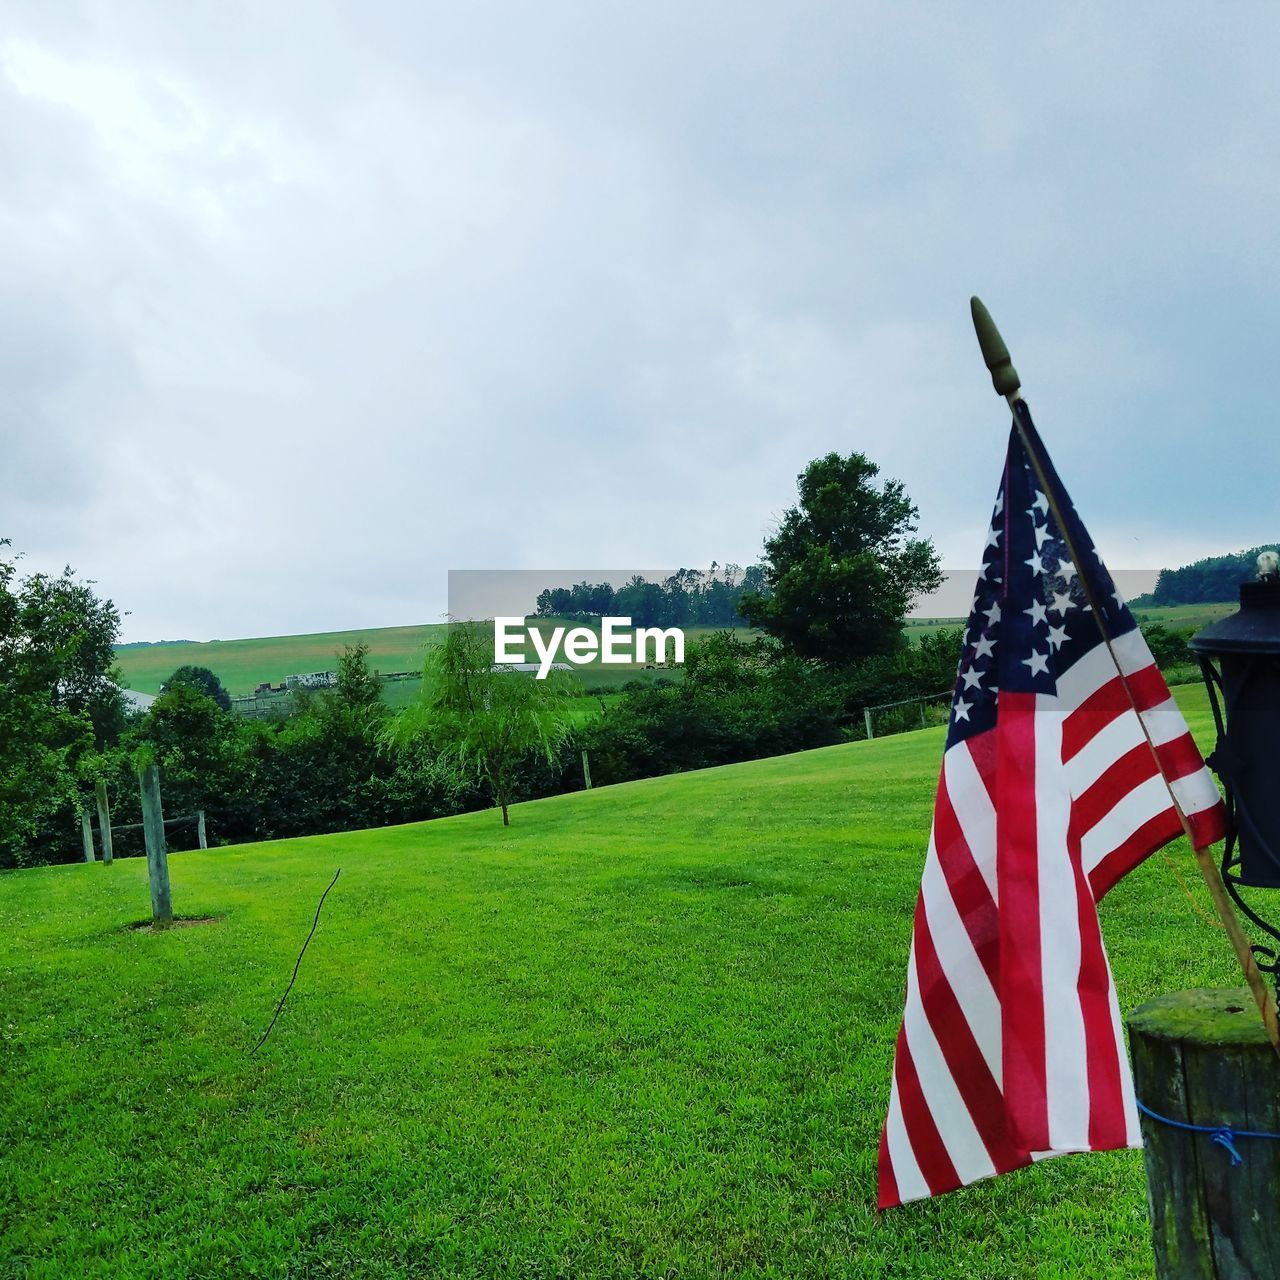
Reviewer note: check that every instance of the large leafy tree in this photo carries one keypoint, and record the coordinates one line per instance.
(843, 566)
(195, 743)
(202, 680)
(58, 697)
(486, 722)
(1213, 579)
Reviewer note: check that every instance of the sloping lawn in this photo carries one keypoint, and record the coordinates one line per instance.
(645, 1032)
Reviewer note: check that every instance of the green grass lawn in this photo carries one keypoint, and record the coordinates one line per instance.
(646, 1031)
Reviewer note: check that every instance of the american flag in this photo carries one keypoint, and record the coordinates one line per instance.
(1066, 764)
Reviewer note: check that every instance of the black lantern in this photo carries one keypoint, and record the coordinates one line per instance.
(1240, 661)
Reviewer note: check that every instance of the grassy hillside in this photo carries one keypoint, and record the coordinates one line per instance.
(1184, 617)
(244, 664)
(1178, 617)
(646, 1031)
(917, 627)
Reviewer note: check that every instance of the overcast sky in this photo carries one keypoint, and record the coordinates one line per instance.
(303, 305)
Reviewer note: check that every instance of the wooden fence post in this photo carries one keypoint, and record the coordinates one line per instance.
(86, 834)
(1203, 1058)
(866, 711)
(157, 850)
(104, 820)
(200, 832)
(586, 771)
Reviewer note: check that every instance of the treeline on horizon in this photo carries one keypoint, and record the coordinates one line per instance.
(825, 644)
(688, 597)
(326, 768)
(1213, 580)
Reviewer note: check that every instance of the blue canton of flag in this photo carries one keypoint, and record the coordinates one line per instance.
(1032, 617)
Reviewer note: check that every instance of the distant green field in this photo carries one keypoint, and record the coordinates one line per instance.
(1183, 617)
(1180, 617)
(589, 706)
(915, 628)
(644, 1032)
(242, 665)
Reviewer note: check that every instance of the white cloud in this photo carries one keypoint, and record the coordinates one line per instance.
(302, 307)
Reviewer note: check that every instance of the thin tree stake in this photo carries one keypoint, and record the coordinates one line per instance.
(297, 964)
(1186, 892)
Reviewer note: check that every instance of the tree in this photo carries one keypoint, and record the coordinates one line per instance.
(1168, 648)
(741, 698)
(58, 696)
(357, 686)
(484, 721)
(842, 568)
(1213, 579)
(202, 680)
(194, 741)
(689, 597)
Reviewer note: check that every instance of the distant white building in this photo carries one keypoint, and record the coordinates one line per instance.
(136, 700)
(529, 666)
(312, 680)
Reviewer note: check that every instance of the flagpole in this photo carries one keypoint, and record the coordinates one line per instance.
(1004, 377)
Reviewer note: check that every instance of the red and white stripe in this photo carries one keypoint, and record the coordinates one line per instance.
(1011, 1045)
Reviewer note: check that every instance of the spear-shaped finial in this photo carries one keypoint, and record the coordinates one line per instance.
(1004, 377)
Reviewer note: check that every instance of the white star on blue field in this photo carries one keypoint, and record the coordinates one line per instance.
(1033, 614)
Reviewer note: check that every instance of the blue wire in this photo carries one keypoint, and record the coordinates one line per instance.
(1222, 1134)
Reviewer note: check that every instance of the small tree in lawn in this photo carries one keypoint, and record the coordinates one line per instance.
(483, 720)
(357, 686)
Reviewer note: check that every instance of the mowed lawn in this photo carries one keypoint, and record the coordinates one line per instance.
(647, 1031)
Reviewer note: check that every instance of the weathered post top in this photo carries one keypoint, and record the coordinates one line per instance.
(1215, 1018)
(1209, 1081)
